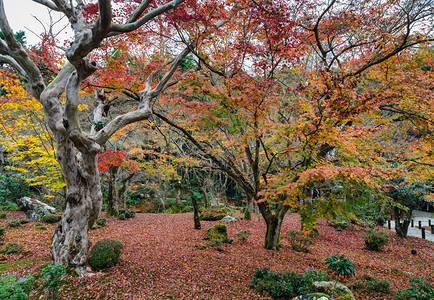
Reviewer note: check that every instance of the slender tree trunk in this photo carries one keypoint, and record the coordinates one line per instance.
(69, 244)
(113, 197)
(196, 211)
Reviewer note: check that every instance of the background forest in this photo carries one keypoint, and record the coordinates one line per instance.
(320, 111)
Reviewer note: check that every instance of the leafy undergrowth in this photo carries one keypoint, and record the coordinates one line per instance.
(161, 259)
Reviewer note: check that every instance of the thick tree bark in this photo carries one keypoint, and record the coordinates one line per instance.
(273, 221)
(69, 244)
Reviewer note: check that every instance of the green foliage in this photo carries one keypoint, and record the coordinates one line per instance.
(23, 220)
(20, 36)
(40, 226)
(374, 240)
(3, 215)
(101, 222)
(180, 207)
(370, 283)
(341, 265)
(299, 242)
(2, 231)
(99, 124)
(315, 275)
(122, 217)
(11, 289)
(243, 235)
(129, 213)
(9, 206)
(339, 225)
(105, 254)
(285, 285)
(421, 290)
(12, 248)
(51, 277)
(14, 223)
(51, 218)
(12, 188)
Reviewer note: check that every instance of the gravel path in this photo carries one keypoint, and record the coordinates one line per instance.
(422, 216)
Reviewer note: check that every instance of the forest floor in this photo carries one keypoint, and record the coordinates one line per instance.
(161, 259)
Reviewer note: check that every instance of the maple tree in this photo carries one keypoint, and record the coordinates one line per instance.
(114, 163)
(77, 150)
(25, 137)
(287, 116)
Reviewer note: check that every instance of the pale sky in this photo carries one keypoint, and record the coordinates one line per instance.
(20, 15)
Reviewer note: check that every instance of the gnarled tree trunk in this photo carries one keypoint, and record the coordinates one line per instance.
(273, 220)
(69, 244)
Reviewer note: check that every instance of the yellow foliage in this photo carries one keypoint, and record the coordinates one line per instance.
(25, 136)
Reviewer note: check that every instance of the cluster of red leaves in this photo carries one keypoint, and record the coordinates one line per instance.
(160, 260)
(109, 159)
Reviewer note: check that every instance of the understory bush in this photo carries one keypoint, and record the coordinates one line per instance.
(14, 223)
(51, 279)
(299, 242)
(11, 289)
(339, 225)
(40, 226)
(421, 290)
(51, 218)
(127, 213)
(12, 248)
(341, 265)
(101, 222)
(374, 240)
(370, 283)
(3, 215)
(105, 254)
(285, 285)
(2, 231)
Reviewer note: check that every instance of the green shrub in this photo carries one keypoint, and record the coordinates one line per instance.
(374, 240)
(370, 283)
(51, 218)
(3, 215)
(12, 188)
(51, 279)
(122, 217)
(40, 226)
(105, 254)
(315, 275)
(341, 265)
(339, 225)
(299, 242)
(12, 248)
(2, 231)
(129, 213)
(14, 223)
(11, 289)
(285, 285)
(421, 290)
(187, 208)
(9, 207)
(23, 220)
(101, 222)
(243, 235)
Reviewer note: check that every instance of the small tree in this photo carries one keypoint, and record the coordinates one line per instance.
(406, 200)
